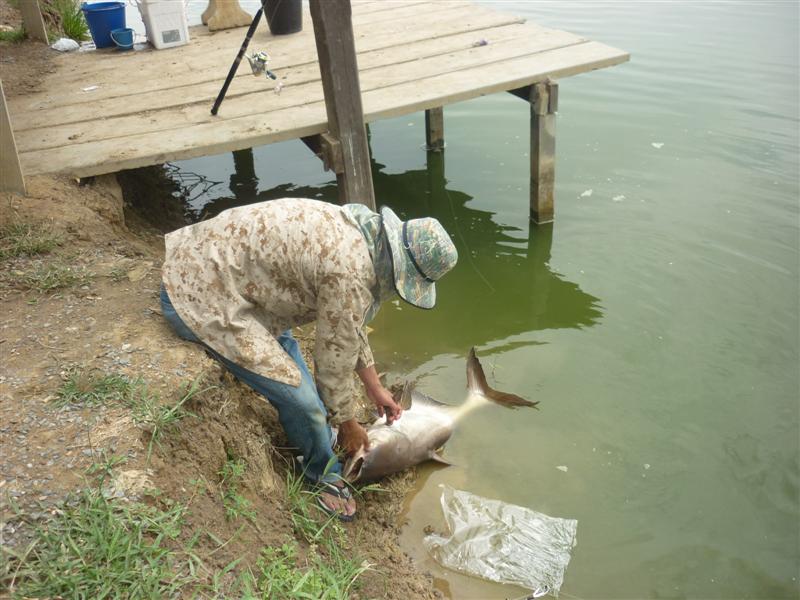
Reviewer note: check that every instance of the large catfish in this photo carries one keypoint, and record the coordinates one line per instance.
(423, 429)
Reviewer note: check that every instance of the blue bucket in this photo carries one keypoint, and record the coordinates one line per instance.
(102, 17)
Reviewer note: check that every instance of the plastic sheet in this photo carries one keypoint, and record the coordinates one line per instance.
(503, 542)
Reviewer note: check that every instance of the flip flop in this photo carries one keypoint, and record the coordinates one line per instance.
(340, 492)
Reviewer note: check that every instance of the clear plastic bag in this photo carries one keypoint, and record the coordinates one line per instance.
(503, 542)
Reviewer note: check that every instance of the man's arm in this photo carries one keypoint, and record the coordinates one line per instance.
(352, 435)
(380, 396)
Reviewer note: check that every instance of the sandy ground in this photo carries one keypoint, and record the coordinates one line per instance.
(109, 322)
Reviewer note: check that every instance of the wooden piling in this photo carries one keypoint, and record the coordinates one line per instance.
(333, 33)
(434, 129)
(11, 178)
(32, 20)
(544, 104)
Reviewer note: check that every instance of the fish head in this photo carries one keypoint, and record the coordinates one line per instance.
(354, 465)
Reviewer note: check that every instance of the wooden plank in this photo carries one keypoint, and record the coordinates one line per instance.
(380, 74)
(542, 152)
(243, 132)
(67, 85)
(333, 31)
(11, 178)
(434, 129)
(418, 13)
(371, 6)
(84, 110)
(464, 85)
(32, 20)
(204, 52)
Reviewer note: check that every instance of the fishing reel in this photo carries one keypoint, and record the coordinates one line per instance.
(258, 64)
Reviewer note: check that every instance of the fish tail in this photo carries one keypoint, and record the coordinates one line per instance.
(476, 384)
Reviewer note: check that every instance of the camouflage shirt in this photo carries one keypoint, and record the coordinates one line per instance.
(241, 279)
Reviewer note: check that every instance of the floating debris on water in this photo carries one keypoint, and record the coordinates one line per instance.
(619, 198)
(657, 145)
(562, 468)
(587, 193)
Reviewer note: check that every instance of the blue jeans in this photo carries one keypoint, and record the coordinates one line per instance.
(300, 409)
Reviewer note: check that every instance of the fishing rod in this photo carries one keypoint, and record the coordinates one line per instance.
(250, 31)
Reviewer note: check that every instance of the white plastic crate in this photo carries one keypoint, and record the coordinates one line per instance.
(165, 22)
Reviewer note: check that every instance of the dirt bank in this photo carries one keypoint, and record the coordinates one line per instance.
(79, 293)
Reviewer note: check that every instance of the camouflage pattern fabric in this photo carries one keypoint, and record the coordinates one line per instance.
(241, 279)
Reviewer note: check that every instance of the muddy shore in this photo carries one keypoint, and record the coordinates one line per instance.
(90, 304)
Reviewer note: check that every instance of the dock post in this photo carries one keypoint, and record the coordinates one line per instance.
(11, 178)
(544, 104)
(333, 32)
(434, 129)
(32, 20)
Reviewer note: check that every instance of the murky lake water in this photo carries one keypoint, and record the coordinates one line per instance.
(656, 320)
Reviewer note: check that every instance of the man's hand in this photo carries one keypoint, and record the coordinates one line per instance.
(380, 396)
(352, 436)
(384, 402)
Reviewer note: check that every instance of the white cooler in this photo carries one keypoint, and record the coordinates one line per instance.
(165, 22)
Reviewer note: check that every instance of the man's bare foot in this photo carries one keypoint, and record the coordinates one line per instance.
(335, 499)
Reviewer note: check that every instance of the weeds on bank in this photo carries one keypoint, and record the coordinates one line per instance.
(280, 573)
(46, 278)
(66, 16)
(157, 418)
(12, 36)
(26, 239)
(91, 388)
(330, 569)
(98, 547)
(231, 476)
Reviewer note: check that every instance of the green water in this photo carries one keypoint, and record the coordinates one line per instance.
(656, 320)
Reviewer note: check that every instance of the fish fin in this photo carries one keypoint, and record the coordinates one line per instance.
(435, 456)
(476, 383)
(404, 397)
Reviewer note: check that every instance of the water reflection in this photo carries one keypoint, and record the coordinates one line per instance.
(502, 287)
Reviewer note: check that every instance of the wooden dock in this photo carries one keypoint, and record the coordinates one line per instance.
(106, 111)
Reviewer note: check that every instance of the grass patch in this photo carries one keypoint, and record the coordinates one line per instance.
(280, 573)
(231, 476)
(98, 547)
(305, 510)
(91, 388)
(68, 18)
(47, 278)
(117, 274)
(330, 570)
(157, 418)
(13, 36)
(26, 239)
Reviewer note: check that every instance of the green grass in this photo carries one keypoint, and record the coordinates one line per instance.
(100, 547)
(282, 574)
(51, 277)
(231, 476)
(305, 510)
(26, 239)
(96, 547)
(330, 570)
(117, 274)
(12, 36)
(92, 388)
(158, 418)
(70, 18)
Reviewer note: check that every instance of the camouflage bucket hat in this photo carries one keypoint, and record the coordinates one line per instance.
(422, 252)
